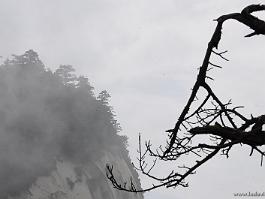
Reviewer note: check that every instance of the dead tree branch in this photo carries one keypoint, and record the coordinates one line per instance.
(222, 124)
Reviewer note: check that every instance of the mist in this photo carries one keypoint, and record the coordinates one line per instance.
(47, 116)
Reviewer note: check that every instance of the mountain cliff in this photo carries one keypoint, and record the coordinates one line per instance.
(70, 181)
(56, 136)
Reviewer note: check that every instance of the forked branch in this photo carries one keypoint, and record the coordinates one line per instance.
(222, 124)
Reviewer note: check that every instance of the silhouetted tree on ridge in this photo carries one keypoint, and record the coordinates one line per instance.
(47, 116)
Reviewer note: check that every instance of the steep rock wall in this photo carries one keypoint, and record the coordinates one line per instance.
(71, 181)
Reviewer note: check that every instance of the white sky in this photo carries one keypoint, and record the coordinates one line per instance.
(146, 54)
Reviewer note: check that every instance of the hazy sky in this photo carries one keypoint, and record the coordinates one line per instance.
(146, 54)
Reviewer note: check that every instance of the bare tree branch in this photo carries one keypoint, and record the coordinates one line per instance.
(222, 124)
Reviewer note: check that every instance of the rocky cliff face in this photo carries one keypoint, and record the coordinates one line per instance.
(70, 181)
(56, 135)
